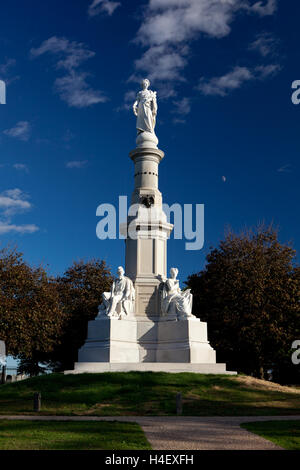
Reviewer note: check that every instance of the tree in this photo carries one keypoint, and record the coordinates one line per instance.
(30, 316)
(249, 293)
(43, 321)
(30, 366)
(80, 290)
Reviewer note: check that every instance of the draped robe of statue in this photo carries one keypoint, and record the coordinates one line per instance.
(119, 302)
(146, 107)
(175, 301)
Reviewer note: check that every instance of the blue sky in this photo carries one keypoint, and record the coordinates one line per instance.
(223, 72)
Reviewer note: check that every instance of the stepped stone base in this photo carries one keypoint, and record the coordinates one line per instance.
(147, 345)
(171, 367)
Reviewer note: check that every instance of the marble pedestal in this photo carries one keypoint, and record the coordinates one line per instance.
(146, 341)
(131, 344)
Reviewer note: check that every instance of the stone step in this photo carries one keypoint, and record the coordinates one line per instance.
(172, 367)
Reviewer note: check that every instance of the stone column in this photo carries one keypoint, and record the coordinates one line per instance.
(148, 231)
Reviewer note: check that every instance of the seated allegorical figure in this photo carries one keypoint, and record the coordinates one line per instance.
(119, 302)
(175, 303)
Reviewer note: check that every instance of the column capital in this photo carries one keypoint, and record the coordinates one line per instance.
(146, 154)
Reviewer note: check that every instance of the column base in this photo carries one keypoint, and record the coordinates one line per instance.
(134, 344)
(170, 367)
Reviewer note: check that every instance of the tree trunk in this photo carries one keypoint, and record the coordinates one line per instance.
(261, 373)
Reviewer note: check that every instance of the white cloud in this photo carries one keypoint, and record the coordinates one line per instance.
(71, 87)
(76, 164)
(169, 26)
(179, 121)
(130, 96)
(8, 228)
(162, 63)
(102, 6)
(285, 169)
(265, 71)
(5, 71)
(12, 202)
(223, 85)
(129, 99)
(72, 54)
(174, 21)
(183, 106)
(74, 89)
(4, 68)
(15, 193)
(265, 44)
(238, 76)
(264, 8)
(21, 167)
(21, 131)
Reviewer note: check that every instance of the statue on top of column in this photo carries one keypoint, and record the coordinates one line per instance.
(145, 109)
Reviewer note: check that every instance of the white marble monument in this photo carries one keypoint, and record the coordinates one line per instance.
(145, 322)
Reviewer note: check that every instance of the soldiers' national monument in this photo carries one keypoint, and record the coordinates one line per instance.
(145, 322)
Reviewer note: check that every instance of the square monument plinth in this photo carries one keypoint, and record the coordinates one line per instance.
(132, 344)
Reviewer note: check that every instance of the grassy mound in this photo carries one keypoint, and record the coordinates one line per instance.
(149, 393)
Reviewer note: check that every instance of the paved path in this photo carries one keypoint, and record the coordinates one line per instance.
(187, 433)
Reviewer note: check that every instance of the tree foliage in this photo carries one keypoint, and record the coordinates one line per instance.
(249, 293)
(80, 290)
(31, 366)
(43, 320)
(30, 313)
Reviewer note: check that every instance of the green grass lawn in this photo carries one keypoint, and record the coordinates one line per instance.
(59, 435)
(285, 434)
(149, 393)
